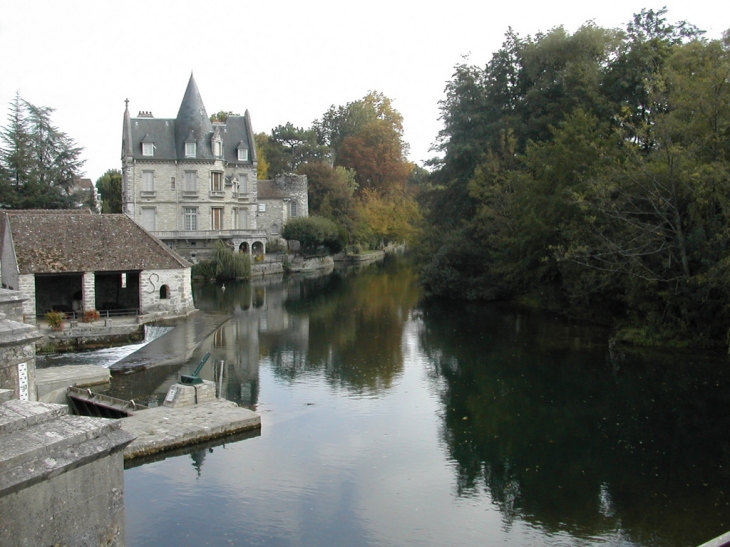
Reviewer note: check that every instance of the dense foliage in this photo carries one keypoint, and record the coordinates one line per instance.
(39, 164)
(109, 186)
(312, 233)
(355, 161)
(589, 172)
(225, 264)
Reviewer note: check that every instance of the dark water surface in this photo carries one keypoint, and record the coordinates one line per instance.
(386, 422)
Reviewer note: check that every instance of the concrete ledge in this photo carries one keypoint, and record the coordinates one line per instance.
(721, 541)
(160, 429)
(51, 383)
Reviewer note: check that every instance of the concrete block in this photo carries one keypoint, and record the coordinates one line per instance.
(186, 395)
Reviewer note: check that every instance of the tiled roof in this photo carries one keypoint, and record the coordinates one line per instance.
(55, 242)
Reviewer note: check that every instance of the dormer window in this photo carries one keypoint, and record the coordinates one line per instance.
(242, 151)
(217, 143)
(148, 147)
(191, 149)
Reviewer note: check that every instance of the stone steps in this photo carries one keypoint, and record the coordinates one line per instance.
(16, 415)
(40, 441)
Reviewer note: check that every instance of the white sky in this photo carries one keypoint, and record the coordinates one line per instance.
(283, 60)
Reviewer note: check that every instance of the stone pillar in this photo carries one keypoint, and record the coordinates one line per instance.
(88, 288)
(26, 286)
(17, 348)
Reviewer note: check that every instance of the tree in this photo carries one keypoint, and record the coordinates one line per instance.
(221, 116)
(289, 147)
(262, 152)
(367, 136)
(313, 232)
(109, 186)
(41, 164)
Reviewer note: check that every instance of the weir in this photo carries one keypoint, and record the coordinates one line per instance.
(84, 402)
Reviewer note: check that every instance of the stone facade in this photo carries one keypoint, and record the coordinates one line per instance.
(191, 183)
(166, 291)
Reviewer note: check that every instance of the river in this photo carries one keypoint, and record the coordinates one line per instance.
(387, 421)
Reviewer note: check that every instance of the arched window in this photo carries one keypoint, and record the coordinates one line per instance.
(164, 292)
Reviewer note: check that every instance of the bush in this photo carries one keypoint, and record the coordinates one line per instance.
(312, 232)
(354, 249)
(204, 269)
(230, 264)
(90, 316)
(55, 319)
(275, 246)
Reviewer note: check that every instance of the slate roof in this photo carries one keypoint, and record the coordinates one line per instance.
(57, 242)
(170, 134)
(268, 189)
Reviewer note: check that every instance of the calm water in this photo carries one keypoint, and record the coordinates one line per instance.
(390, 423)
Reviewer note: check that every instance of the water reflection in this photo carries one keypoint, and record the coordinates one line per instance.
(568, 434)
(389, 422)
(346, 327)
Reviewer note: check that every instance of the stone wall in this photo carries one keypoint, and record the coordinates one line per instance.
(62, 477)
(278, 210)
(17, 347)
(179, 292)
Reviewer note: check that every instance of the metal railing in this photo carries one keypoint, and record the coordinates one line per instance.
(103, 314)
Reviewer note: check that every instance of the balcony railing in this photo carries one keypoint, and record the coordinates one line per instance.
(208, 234)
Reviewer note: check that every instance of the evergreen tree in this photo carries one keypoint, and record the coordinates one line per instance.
(39, 164)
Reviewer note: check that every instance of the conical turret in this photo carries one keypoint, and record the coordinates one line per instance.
(192, 118)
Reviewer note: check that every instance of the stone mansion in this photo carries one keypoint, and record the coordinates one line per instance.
(191, 182)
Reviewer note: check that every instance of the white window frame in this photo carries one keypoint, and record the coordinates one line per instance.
(153, 211)
(216, 177)
(243, 154)
(242, 215)
(262, 207)
(148, 181)
(190, 218)
(218, 149)
(148, 149)
(191, 149)
(191, 181)
(220, 212)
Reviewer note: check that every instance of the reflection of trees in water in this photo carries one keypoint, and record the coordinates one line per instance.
(355, 327)
(571, 442)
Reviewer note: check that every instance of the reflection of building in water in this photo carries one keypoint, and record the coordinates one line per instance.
(260, 321)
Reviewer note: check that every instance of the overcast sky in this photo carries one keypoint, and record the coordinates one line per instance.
(283, 60)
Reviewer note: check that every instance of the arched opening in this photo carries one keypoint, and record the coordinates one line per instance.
(164, 292)
(243, 247)
(257, 248)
